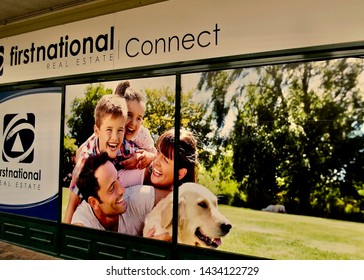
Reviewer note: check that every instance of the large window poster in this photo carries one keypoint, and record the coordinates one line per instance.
(126, 119)
(282, 146)
(29, 150)
(270, 162)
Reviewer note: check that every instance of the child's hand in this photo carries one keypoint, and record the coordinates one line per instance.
(131, 162)
(144, 158)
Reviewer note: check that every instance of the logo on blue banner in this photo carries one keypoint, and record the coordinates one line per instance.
(18, 138)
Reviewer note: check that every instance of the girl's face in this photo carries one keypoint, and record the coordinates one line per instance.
(111, 134)
(136, 112)
(162, 171)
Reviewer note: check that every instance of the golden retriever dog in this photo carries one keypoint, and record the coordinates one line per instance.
(199, 221)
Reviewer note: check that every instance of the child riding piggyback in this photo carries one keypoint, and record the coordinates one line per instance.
(138, 149)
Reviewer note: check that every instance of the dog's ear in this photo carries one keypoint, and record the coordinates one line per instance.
(167, 212)
(181, 209)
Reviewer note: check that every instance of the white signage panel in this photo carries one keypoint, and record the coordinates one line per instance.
(177, 31)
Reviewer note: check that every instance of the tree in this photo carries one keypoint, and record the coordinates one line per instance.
(69, 151)
(298, 135)
(160, 114)
(81, 122)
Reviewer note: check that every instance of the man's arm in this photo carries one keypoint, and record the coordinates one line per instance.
(73, 202)
(78, 224)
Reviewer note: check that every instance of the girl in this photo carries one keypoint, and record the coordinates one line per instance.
(137, 138)
(137, 150)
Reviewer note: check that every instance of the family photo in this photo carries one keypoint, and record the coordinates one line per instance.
(269, 162)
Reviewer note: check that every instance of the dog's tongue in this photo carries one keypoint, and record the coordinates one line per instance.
(213, 242)
(217, 241)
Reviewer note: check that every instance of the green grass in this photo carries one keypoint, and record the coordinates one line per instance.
(291, 237)
(65, 195)
(287, 237)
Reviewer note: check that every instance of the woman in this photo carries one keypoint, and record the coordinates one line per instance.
(162, 170)
(160, 174)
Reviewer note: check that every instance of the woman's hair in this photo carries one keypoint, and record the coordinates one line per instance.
(124, 90)
(187, 151)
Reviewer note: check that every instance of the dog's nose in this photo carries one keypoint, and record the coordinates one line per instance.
(225, 227)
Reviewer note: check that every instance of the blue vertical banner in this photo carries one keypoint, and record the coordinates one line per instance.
(29, 152)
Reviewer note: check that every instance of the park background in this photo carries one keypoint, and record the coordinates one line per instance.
(288, 134)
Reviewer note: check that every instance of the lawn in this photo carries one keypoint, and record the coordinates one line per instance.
(288, 237)
(292, 237)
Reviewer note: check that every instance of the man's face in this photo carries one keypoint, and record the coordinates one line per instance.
(111, 135)
(111, 191)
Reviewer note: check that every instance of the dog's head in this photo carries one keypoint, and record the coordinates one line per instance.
(199, 221)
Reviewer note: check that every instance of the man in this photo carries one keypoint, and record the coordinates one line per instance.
(107, 205)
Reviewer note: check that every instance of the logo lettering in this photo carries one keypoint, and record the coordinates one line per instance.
(64, 48)
(19, 135)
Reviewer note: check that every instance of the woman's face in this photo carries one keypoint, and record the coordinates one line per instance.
(162, 171)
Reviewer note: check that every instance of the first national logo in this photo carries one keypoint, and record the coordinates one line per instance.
(18, 135)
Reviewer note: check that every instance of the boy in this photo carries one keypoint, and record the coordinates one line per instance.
(110, 118)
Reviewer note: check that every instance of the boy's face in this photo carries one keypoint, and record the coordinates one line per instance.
(111, 134)
(136, 112)
(111, 191)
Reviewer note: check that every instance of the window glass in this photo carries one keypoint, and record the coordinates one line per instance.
(281, 147)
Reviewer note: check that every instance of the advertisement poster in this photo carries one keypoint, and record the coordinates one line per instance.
(29, 165)
(279, 150)
(88, 132)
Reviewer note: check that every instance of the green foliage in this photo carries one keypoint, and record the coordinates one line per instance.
(160, 114)
(298, 134)
(69, 150)
(81, 122)
(160, 111)
(219, 179)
